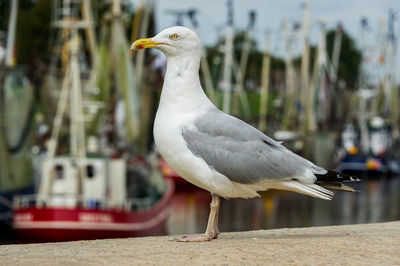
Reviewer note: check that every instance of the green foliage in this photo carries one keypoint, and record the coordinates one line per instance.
(33, 32)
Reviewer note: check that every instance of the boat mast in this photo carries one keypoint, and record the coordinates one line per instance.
(90, 33)
(12, 25)
(125, 76)
(361, 112)
(337, 45)
(262, 124)
(72, 90)
(228, 59)
(305, 66)
(319, 80)
(71, 87)
(145, 8)
(141, 24)
(77, 139)
(290, 80)
(394, 90)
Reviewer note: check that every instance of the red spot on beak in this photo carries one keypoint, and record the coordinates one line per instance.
(139, 47)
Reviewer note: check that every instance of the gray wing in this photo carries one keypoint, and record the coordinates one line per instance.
(241, 152)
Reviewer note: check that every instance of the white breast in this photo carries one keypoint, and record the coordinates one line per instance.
(173, 148)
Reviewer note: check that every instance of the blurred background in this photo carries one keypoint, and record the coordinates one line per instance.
(77, 158)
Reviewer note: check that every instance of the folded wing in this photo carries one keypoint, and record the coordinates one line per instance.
(244, 154)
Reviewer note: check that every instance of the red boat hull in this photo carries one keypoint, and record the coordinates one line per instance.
(65, 224)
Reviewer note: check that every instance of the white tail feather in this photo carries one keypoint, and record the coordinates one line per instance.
(308, 189)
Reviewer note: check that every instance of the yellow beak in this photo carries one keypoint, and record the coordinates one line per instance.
(144, 43)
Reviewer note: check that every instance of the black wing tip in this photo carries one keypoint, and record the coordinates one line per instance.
(331, 176)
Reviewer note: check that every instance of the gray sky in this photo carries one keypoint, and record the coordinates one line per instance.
(213, 15)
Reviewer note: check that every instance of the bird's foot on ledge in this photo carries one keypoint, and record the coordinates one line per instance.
(197, 238)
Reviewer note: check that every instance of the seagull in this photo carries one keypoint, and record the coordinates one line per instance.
(216, 151)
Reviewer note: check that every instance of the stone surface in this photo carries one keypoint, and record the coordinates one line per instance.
(366, 244)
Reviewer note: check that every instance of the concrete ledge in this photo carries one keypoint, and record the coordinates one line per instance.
(367, 244)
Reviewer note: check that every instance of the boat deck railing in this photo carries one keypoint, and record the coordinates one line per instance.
(70, 200)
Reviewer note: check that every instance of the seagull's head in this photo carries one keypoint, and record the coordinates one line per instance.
(173, 41)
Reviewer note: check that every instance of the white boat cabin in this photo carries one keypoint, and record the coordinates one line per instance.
(91, 182)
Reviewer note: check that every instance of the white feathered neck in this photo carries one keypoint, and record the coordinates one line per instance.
(182, 88)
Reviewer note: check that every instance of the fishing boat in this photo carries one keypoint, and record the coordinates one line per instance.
(365, 152)
(87, 191)
(88, 199)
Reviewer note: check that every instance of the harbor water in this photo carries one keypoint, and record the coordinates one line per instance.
(378, 200)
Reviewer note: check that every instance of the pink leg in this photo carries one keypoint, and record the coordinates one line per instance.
(212, 226)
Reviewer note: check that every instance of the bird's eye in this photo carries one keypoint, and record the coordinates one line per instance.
(174, 36)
